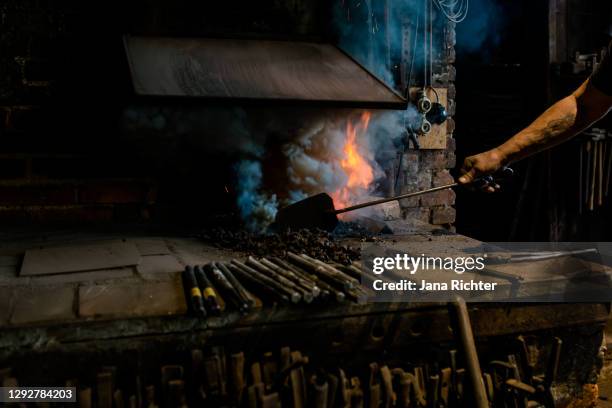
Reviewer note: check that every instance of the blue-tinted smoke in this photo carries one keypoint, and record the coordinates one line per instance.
(256, 207)
(374, 38)
(482, 28)
(381, 43)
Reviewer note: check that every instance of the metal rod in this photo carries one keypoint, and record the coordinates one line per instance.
(231, 293)
(291, 294)
(399, 197)
(255, 280)
(471, 355)
(241, 291)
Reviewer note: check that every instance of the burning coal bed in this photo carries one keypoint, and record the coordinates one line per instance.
(317, 244)
(334, 154)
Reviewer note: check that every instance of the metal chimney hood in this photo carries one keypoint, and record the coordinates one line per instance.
(247, 70)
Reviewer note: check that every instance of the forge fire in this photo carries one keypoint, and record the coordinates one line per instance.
(305, 203)
(357, 168)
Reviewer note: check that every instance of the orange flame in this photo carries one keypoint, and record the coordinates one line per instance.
(359, 172)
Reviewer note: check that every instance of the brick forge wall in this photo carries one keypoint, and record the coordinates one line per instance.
(59, 147)
(422, 169)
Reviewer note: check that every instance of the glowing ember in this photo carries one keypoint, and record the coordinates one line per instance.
(358, 170)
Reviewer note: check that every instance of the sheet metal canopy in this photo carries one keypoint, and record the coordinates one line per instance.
(253, 70)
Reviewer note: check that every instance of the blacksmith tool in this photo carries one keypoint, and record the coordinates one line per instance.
(297, 381)
(445, 386)
(259, 283)
(176, 389)
(118, 400)
(419, 391)
(273, 274)
(244, 294)
(150, 397)
(608, 159)
(389, 397)
(402, 386)
(197, 372)
(253, 394)
(288, 365)
(332, 277)
(580, 177)
(319, 390)
(345, 390)
(291, 294)
(305, 285)
(333, 382)
(104, 388)
(324, 280)
(229, 291)
(269, 369)
(270, 401)
(208, 292)
(544, 384)
(471, 354)
(323, 290)
(168, 374)
(318, 211)
(237, 380)
(433, 393)
(192, 292)
(85, 398)
(214, 375)
(357, 400)
(374, 390)
(240, 295)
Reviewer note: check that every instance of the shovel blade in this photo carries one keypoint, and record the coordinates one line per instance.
(313, 212)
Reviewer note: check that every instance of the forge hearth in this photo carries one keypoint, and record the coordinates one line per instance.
(143, 141)
(136, 319)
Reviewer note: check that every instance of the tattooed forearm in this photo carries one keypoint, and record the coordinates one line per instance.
(562, 121)
(557, 126)
(554, 126)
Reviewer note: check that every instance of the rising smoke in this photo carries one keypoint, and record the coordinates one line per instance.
(313, 154)
(481, 30)
(256, 207)
(312, 142)
(375, 39)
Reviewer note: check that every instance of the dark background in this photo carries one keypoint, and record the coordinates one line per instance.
(501, 89)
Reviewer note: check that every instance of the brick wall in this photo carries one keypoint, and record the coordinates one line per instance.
(422, 169)
(58, 139)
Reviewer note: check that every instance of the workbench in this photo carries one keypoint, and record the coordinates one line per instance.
(100, 317)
